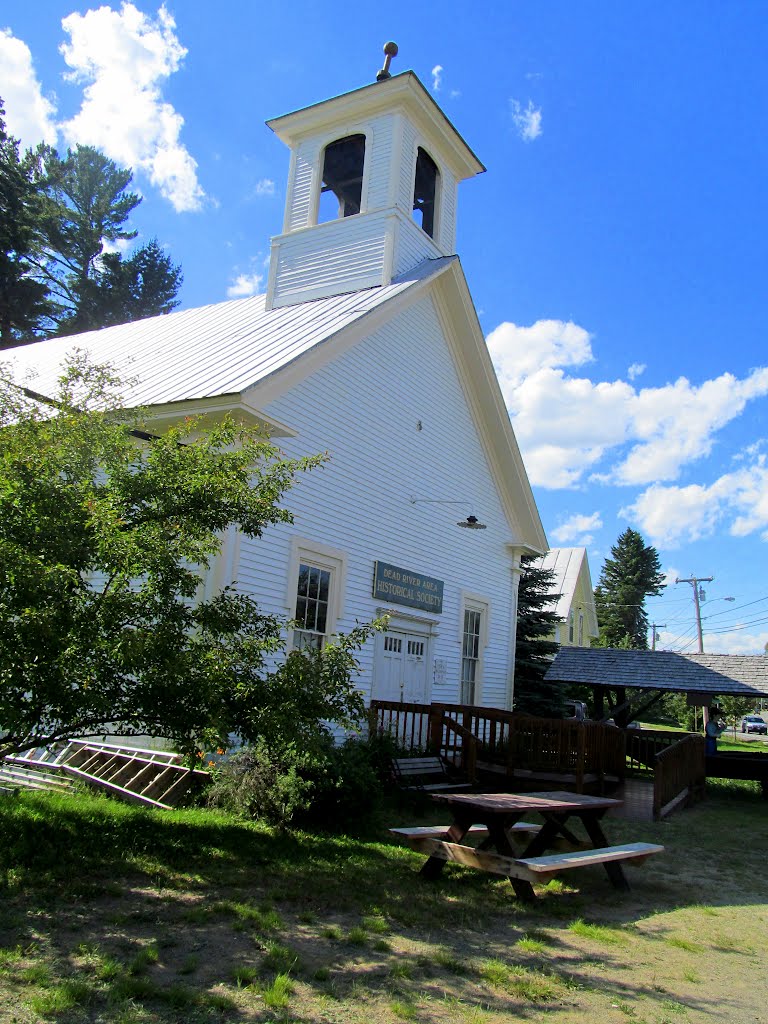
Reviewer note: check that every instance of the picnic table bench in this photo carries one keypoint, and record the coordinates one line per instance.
(495, 818)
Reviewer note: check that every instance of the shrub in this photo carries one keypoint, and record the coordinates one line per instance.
(327, 785)
(259, 782)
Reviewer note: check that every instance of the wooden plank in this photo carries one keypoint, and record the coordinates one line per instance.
(494, 863)
(436, 831)
(549, 865)
(125, 794)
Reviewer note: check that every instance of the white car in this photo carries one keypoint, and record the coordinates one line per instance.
(754, 723)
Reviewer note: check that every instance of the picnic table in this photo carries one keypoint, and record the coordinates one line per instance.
(516, 848)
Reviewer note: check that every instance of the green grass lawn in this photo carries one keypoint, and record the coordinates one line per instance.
(112, 914)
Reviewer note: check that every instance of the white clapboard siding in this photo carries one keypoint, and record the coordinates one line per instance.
(330, 259)
(412, 246)
(363, 408)
(446, 212)
(300, 187)
(379, 161)
(407, 168)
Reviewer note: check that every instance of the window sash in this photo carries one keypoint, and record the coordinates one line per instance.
(470, 654)
(312, 598)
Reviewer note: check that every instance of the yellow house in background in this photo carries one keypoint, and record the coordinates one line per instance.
(576, 604)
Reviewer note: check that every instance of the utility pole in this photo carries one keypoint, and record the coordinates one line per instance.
(695, 581)
(654, 637)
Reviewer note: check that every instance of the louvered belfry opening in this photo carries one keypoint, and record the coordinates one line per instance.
(341, 192)
(425, 192)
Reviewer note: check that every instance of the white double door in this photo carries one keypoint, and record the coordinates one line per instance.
(401, 670)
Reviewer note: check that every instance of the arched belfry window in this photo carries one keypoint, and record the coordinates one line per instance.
(425, 192)
(341, 191)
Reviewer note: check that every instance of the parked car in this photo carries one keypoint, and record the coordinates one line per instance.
(754, 723)
(576, 710)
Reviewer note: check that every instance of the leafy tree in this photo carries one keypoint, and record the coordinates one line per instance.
(23, 300)
(631, 574)
(536, 621)
(105, 535)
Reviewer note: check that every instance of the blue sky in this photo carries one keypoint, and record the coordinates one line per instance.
(615, 249)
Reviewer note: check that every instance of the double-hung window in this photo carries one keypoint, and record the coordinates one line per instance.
(470, 655)
(311, 615)
(473, 640)
(315, 592)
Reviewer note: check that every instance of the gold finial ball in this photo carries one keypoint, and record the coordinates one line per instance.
(390, 49)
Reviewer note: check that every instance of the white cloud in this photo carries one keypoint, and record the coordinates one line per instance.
(635, 370)
(29, 116)
(518, 352)
(122, 58)
(569, 426)
(437, 77)
(736, 642)
(671, 515)
(264, 187)
(245, 285)
(578, 529)
(526, 120)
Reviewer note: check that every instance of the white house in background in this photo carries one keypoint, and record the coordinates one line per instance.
(576, 603)
(366, 345)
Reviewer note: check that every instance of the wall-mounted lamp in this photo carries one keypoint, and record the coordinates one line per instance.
(470, 523)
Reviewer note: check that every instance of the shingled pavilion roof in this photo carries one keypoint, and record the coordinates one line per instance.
(732, 674)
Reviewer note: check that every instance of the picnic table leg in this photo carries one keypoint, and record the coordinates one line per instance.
(552, 829)
(497, 836)
(433, 866)
(613, 869)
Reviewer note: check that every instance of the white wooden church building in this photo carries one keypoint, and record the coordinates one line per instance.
(367, 346)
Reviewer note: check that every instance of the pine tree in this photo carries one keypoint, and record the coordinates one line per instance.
(536, 621)
(23, 300)
(145, 284)
(631, 574)
(86, 210)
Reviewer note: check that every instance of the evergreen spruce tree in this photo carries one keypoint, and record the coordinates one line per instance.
(631, 574)
(536, 621)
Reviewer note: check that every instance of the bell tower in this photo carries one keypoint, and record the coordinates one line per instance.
(371, 189)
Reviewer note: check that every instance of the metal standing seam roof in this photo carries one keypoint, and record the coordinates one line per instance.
(730, 674)
(210, 351)
(566, 564)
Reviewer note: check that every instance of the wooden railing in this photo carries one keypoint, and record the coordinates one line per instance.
(503, 738)
(643, 747)
(679, 774)
(409, 725)
(459, 747)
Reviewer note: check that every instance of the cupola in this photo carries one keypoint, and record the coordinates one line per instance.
(371, 189)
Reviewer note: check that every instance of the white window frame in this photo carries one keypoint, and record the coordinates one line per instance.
(571, 626)
(317, 179)
(309, 552)
(438, 216)
(474, 603)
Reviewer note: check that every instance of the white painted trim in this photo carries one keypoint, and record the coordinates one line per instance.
(339, 132)
(402, 622)
(325, 557)
(474, 603)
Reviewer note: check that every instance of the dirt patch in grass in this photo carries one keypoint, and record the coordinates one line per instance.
(207, 919)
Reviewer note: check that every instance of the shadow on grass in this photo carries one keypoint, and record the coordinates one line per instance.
(91, 885)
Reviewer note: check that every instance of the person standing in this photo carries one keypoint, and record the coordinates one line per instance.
(714, 728)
